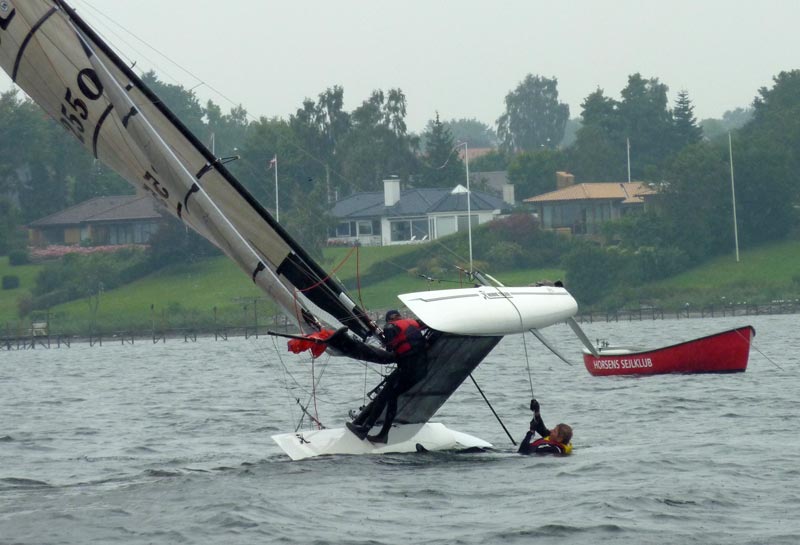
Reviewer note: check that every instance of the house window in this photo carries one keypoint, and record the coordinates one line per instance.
(143, 231)
(445, 225)
(121, 234)
(410, 229)
(400, 231)
(346, 229)
(420, 229)
(365, 228)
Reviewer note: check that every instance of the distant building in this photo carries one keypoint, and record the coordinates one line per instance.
(396, 216)
(129, 219)
(474, 153)
(583, 208)
(496, 181)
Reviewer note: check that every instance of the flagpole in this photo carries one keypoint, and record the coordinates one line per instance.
(628, 141)
(277, 209)
(733, 197)
(469, 205)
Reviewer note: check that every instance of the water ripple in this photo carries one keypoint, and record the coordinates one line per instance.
(170, 443)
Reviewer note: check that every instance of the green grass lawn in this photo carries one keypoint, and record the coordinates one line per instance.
(186, 295)
(345, 262)
(8, 298)
(177, 296)
(762, 274)
(768, 265)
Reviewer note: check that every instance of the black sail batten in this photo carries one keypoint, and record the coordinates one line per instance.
(24, 45)
(98, 127)
(5, 21)
(329, 296)
(450, 360)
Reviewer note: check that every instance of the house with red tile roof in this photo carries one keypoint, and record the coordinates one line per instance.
(582, 208)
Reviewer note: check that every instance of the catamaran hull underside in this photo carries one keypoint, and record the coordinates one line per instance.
(404, 438)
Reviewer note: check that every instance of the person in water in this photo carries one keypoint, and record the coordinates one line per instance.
(404, 339)
(555, 441)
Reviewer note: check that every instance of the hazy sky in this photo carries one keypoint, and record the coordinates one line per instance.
(460, 58)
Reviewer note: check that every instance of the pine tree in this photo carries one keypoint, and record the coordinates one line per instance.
(687, 130)
(444, 167)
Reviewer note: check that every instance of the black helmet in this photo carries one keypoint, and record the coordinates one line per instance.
(392, 314)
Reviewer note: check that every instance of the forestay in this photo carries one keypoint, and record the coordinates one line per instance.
(61, 63)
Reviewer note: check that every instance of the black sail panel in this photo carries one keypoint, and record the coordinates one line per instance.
(450, 360)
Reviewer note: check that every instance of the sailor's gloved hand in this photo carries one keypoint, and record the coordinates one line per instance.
(534, 405)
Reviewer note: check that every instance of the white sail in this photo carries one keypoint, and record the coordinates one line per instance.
(75, 77)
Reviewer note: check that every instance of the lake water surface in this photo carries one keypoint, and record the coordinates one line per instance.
(170, 443)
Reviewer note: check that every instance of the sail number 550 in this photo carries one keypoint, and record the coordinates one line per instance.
(74, 111)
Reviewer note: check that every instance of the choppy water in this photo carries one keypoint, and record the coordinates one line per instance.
(170, 443)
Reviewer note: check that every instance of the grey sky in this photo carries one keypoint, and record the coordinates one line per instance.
(460, 58)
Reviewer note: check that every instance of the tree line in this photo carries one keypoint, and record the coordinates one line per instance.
(325, 152)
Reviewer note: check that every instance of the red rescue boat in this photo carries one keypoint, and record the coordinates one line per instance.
(725, 352)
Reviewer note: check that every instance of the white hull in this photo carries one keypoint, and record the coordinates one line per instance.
(403, 438)
(491, 311)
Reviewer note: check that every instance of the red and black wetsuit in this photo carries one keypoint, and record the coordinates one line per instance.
(542, 445)
(405, 339)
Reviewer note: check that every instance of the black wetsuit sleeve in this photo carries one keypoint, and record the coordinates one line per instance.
(537, 426)
(357, 349)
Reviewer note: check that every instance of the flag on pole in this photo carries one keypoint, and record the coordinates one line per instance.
(273, 162)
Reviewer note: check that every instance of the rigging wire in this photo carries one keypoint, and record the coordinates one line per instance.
(492, 409)
(285, 381)
(200, 82)
(120, 38)
(314, 387)
(358, 277)
(524, 341)
(312, 394)
(759, 351)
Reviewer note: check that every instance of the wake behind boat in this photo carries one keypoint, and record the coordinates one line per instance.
(724, 352)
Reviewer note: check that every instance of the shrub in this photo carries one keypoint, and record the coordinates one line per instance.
(77, 276)
(10, 282)
(657, 263)
(24, 305)
(505, 255)
(18, 257)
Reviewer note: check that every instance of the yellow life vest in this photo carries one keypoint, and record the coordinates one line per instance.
(567, 448)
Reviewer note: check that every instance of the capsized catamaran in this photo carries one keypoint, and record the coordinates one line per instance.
(68, 70)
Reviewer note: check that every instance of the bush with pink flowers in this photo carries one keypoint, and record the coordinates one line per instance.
(58, 251)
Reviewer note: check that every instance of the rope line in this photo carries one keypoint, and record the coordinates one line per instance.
(753, 344)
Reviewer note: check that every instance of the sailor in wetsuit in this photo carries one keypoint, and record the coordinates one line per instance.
(555, 441)
(404, 338)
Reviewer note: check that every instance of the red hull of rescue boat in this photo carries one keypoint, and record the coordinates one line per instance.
(725, 352)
